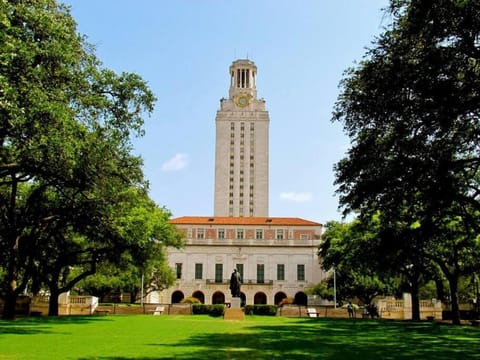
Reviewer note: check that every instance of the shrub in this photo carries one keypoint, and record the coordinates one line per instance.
(269, 310)
(287, 301)
(190, 300)
(212, 310)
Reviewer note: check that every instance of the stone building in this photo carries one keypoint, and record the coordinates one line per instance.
(276, 257)
(241, 147)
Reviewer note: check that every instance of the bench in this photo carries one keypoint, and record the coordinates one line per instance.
(475, 322)
(158, 310)
(312, 312)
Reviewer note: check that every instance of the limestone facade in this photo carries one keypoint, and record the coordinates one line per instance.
(241, 147)
(276, 257)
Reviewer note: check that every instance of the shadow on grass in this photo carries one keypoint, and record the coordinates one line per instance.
(42, 325)
(331, 339)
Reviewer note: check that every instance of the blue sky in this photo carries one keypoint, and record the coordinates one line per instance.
(183, 49)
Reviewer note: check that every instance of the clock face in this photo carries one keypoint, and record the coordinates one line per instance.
(242, 100)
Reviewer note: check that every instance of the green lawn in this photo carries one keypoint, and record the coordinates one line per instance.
(203, 337)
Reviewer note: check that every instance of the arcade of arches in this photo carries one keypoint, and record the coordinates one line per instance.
(259, 298)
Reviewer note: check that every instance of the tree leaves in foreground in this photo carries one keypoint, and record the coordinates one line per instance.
(69, 185)
(411, 109)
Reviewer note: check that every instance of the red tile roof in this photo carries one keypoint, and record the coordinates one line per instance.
(216, 220)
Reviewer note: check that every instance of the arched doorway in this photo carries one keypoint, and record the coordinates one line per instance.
(260, 298)
(301, 298)
(218, 298)
(200, 296)
(279, 297)
(177, 296)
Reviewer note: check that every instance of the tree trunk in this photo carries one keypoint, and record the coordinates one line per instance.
(12, 256)
(440, 290)
(53, 302)
(453, 282)
(10, 303)
(415, 299)
(11, 291)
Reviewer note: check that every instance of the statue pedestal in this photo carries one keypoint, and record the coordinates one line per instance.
(234, 312)
(236, 303)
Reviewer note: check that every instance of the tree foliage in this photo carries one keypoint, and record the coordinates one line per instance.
(69, 184)
(411, 110)
(349, 249)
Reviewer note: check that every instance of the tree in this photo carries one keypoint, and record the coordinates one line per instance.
(65, 143)
(350, 249)
(411, 110)
(149, 231)
(134, 242)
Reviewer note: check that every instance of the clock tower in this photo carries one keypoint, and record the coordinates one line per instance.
(241, 148)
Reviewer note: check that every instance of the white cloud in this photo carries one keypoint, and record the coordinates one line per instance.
(176, 163)
(296, 196)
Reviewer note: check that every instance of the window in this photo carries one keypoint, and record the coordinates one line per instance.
(198, 271)
(305, 237)
(178, 270)
(221, 233)
(280, 234)
(280, 271)
(200, 233)
(218, 273)
(260, 273)
(259, 234)
(301, 272)
(239, 234)
(239, 268)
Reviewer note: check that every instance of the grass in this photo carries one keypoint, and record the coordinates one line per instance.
(203, 337)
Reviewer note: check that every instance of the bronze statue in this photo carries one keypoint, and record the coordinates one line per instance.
(235, 282)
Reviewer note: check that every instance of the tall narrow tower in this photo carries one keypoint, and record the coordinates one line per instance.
(241, 151)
